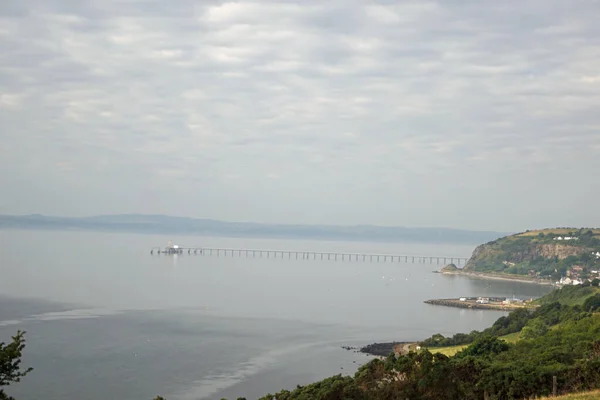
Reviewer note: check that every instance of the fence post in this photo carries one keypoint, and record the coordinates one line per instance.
(486, 396)
(554, 386)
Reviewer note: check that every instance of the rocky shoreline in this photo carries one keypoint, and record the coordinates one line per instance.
(379, 349)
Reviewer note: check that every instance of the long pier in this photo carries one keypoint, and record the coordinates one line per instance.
(309, 255)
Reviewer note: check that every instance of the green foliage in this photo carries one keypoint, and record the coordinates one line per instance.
(484, 346)
(569, 295)
(534, 329)
(512, 323)
(555, 308)
(10, 362)
(592, 303)
(333, 388)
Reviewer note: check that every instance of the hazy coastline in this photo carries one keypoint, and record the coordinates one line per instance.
(171, 225)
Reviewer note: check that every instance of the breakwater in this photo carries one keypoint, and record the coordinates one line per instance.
(474, 303)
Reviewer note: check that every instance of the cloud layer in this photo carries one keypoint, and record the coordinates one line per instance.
(465, 114)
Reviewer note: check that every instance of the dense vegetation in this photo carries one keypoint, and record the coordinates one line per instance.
(539, 253)
(569, 295)
(524, 320)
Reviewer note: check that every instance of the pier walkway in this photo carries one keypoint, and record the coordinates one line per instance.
(310, 255)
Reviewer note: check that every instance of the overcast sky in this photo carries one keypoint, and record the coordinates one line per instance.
(467, 114)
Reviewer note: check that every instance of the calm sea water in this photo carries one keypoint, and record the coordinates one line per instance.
(105, 319)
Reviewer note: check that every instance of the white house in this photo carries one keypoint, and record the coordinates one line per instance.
(576, 282)
(565, 281)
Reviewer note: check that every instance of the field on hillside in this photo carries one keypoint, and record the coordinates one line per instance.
(595, 395)
(452, 350)
(556, 231)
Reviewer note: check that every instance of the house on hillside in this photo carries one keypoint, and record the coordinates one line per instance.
(565, 281)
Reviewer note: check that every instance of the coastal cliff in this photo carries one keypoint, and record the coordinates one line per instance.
(547, 254)
(494, 251)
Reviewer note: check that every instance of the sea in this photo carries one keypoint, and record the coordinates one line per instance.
(104, 318)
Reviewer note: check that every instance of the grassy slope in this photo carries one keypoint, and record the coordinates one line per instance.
(452, 350)
(556, 231)
(569, 295)
(595, 395)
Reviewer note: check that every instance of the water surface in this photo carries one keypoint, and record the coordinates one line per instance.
(104, 318)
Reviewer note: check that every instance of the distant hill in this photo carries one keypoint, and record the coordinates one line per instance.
(164, 224)
(551, 253)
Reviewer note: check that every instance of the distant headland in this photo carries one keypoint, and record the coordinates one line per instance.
(165, 224)
(559, 256)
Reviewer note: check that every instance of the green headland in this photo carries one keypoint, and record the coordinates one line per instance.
(564, 255)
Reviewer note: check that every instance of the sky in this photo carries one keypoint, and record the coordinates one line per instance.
(466, 114)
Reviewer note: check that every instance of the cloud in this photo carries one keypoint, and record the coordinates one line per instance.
(342, 112)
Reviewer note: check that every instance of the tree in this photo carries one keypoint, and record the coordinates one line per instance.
(10, 363)
(486, 345)
(534, 329)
